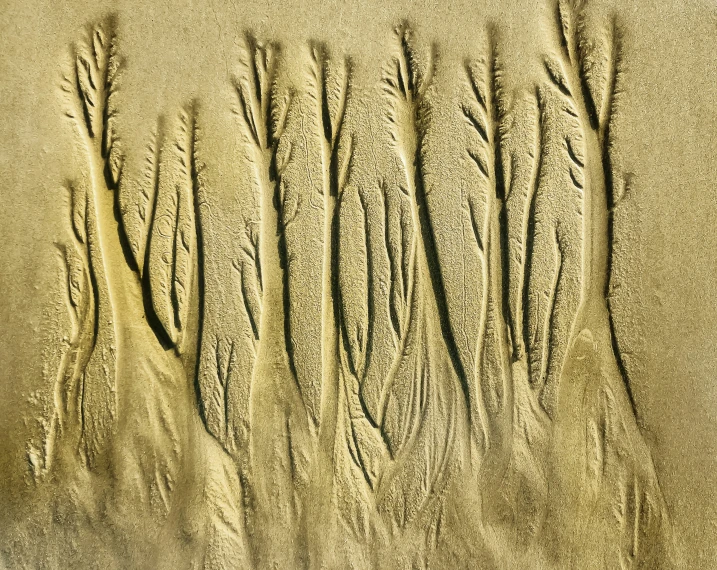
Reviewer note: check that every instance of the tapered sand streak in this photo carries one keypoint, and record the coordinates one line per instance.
(278, 420)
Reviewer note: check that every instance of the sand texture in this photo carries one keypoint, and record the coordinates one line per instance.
(380, 285)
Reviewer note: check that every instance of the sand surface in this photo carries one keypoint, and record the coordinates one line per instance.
(358, 285)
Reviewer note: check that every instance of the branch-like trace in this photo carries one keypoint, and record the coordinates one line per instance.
(82, 302)
(248, 268)
(262, 268)
(588, 90)
(335, 173)
(486, 116)
(419, 411)
(173, 248)
(362, 454)
(137, 218)
(364, 337)
(400, 266)
(89, 90)
(278, 426)
(547, 375)
(125, 436)
(225, 355)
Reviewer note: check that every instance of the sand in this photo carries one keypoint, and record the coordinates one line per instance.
(377, 285)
